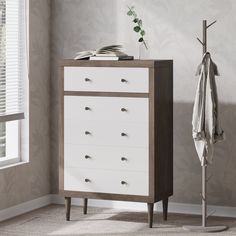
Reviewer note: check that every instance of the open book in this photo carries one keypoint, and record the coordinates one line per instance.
(112, 52)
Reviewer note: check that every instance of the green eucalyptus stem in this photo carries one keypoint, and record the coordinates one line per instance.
(138, 25)
(144, 42)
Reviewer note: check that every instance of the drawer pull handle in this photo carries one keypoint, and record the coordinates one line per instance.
(123, 183)
(87, 180)
(123, 80)
(87, 133)
(87, 108)
(124, 159)
(87, 157)
(87, 80)
(123, 109)
(123, 134)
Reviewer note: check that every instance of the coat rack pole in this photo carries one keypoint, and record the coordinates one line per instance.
(204, 36)
(204, 196)
(204, 227)
(204, 167)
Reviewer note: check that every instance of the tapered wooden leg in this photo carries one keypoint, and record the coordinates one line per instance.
(68, 206)
(150, 214)
(85, 205)
(165, 208)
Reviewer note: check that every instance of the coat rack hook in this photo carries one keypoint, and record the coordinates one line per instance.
(208, 178)
(200, 41)
(211, 24)
(211, 213)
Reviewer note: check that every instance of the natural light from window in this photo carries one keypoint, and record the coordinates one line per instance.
(12, 74)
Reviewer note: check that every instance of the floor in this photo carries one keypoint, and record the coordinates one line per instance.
(50, 220)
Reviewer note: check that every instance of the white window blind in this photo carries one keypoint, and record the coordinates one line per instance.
(12, 59)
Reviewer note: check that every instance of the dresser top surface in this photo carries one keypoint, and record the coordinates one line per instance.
(127, 63)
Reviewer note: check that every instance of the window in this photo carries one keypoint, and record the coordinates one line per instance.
(12, 78)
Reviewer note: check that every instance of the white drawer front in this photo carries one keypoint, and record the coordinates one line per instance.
(105, 181)
(106, 109)
(111, 158)
(105, 133)
(109, 79)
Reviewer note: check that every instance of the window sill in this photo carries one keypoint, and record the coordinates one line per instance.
(13, 165)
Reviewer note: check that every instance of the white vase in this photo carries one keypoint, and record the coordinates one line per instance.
(144, 52)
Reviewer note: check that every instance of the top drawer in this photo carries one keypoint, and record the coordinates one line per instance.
(106, 79)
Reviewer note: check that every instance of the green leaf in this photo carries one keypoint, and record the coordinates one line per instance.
(129, 13)
(142, 32)
(137, 29)
(134, 14)
(140, 39)
(135, 20)
(140, 22)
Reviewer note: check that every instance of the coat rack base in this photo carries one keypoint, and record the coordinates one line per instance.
(206, 229)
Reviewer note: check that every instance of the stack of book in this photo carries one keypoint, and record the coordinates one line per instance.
(110, 53)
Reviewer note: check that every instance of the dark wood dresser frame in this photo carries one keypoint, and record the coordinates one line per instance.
(160, 132)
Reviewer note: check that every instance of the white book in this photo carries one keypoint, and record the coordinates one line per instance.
(102, 58)
(113, 50)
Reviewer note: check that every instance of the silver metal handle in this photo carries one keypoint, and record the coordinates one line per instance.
(123, 109)
(124, 81)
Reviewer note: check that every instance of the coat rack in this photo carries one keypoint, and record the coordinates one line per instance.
(204, 227)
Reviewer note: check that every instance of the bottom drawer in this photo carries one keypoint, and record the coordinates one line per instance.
(106, 181)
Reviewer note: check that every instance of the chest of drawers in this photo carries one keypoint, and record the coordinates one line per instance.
(116, 131)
